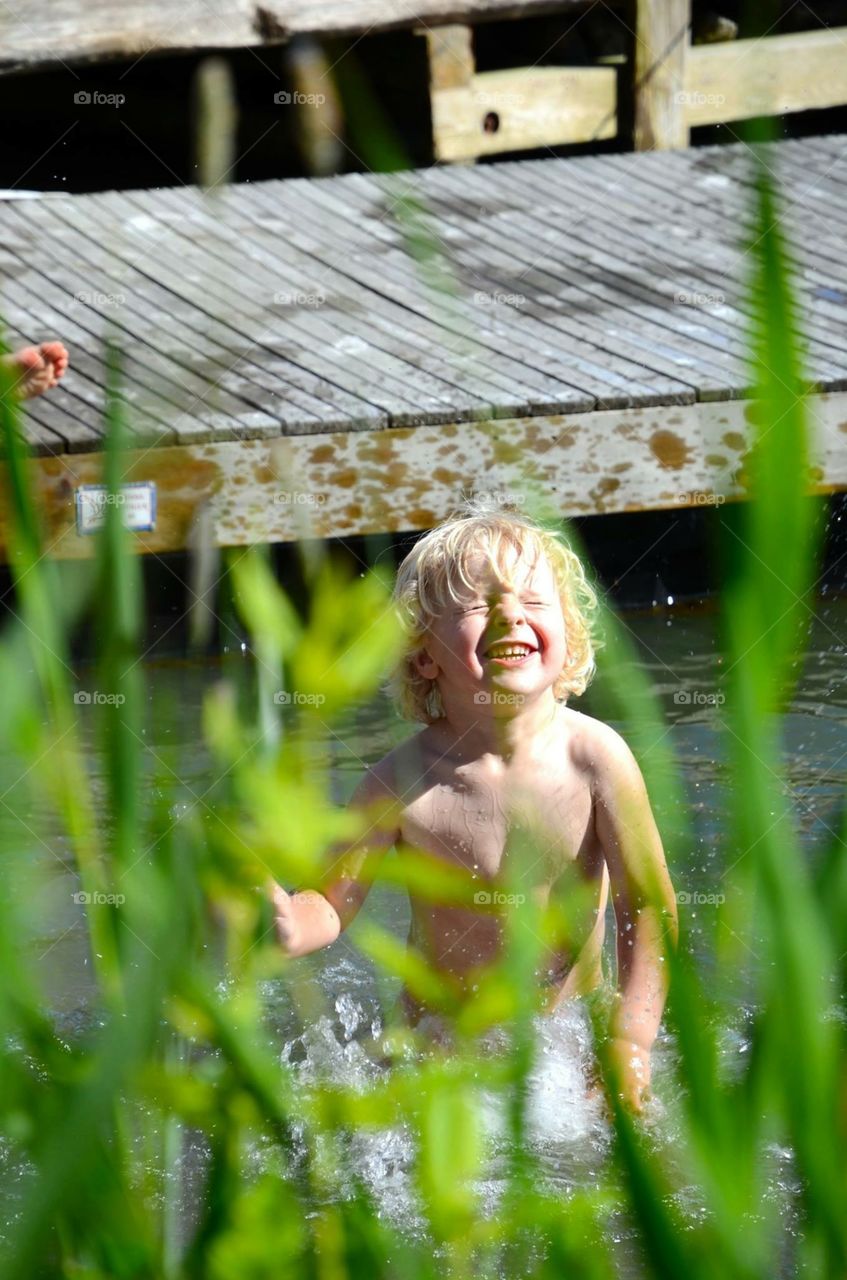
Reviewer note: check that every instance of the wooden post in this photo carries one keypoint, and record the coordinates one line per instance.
(659, 108)
(451, 57)
(451, 66)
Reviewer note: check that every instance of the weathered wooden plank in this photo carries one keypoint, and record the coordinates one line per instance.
(526, 289)
(617, 287)
(145, 243)
(155, 385)
(40, 439)
(155, 337)
(660, 208)
(428, 297)
(610, 377)
(611, 381)
(822, 183)
(152, 246)
(357, 292)
(708, 195)
(816, 247)
(811, 202)
(659, 57)
(592, 246)
(698, 263)
(404, 479)
(213, 282)
(429, 292)
(206, 344)
(47, 31)
(829, 147)
(593, 302)
(725, 178)
(770, 76)
(149, 416)
(521, 108)
(81, 396)
(277, 246)
(329, 326)
(61, 294)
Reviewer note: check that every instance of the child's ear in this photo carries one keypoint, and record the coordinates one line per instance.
(425, 665)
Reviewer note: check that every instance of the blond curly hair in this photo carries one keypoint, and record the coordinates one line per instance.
(436, 573)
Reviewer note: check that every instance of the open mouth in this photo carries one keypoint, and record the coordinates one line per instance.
(510, 652)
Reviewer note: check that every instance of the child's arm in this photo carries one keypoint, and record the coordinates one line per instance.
(645, 910)
(306, 921)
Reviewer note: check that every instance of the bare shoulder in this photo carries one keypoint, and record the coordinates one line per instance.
(600, 751)
(392, 776)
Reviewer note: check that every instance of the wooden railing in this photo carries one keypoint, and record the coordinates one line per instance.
(668, 87)
(665, 88)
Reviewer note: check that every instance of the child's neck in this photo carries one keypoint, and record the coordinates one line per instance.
(475, 735)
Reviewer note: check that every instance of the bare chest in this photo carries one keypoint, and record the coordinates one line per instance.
(480, 821)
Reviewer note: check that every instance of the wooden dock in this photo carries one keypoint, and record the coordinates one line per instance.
(49, 31)
(356, 353)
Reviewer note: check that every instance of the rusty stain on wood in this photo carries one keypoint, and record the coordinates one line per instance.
(669, 449)
(734, 439)
(275, 490)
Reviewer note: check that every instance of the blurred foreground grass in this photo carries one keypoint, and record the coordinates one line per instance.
(94, 1129)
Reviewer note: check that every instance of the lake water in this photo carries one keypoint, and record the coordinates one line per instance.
(679, 653)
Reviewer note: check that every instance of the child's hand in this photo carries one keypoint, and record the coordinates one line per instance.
(631, 1064)
(283, 915)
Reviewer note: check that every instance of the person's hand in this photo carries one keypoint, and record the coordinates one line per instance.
(630, 1063)
(283, 915)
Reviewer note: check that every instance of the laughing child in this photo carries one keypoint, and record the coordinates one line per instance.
(498, 619)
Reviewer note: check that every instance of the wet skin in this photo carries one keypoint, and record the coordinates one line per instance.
(508, 766)
(505, 769)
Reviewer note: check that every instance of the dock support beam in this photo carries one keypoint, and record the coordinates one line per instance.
(661, 40)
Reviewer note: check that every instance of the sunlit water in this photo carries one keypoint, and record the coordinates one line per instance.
(568, 1131)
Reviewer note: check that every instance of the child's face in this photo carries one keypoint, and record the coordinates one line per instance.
(468, 646)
